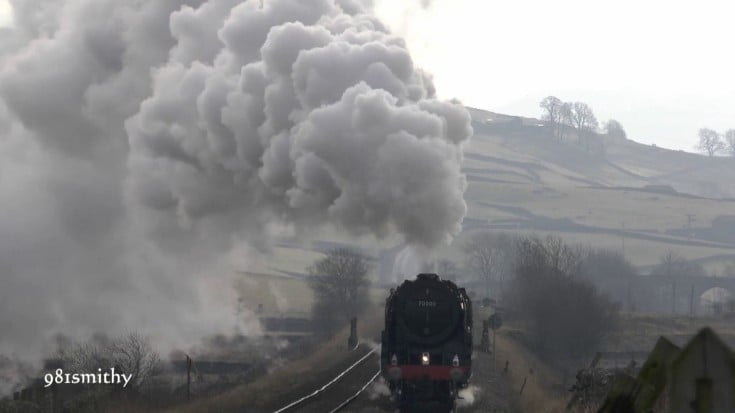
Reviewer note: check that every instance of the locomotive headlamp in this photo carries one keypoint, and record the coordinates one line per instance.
(455, 361)
(424, 359)
(393, 360)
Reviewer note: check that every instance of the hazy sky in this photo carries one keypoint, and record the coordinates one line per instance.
(4, 13)
(663, 68)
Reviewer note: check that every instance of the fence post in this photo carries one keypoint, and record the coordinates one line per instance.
(485, 341)
(523, 386)
(188, 377)
(494, 353)
(352, 340)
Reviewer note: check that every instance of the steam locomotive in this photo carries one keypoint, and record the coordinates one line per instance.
(426, 354)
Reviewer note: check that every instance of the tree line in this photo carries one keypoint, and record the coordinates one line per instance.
(545, 285)
(563, 118)
(567, 296)
(713, 143)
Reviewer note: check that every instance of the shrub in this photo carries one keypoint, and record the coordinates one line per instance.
(567, 317)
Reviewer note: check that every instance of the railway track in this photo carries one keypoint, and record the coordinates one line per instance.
(339, 392)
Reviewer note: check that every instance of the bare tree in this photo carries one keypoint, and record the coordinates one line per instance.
(490, 256)
(710, 142)
(565, 119)
(674, 265)
(584, 121)
(339, 283)
(582, 117)
(552, 107)
(730, 141)
(83, 357)
(611, 273)
(133, 354)
(669, 264)
(551, 252)
(128, 354)
(614, 129)
(565, 314)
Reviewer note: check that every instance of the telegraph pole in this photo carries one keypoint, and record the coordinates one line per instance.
(690, 219)
(188, 377)
(673, 296)
(494, 354)
(622, 236)
(691, 302)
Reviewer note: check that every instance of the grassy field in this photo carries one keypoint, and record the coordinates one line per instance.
(291, 381)
(595, 207)
(590, 199)
(529, 191)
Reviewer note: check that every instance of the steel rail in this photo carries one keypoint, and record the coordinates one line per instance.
(356, 395)
(326, 386)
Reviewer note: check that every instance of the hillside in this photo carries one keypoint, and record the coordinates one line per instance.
(636, 199)
(522, 179)
(625, 162)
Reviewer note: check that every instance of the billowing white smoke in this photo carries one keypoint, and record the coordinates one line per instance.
(468, 396)
(412, 260)
(296, 111)
(70, 74)
(143, 144)
(379, 388)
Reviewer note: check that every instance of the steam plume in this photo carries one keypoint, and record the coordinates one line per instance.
(145, 144)
(303, 114)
